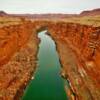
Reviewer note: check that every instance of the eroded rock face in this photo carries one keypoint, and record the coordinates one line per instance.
(81, 59)
(78, 47)
(79, 52)
(18, 48)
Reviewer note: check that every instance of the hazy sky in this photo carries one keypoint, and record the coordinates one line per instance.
(48, 6)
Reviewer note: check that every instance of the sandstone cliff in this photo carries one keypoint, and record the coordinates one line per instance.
(18, 48)
(79, 52)
(78, 47)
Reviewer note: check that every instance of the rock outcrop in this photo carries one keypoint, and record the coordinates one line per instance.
(79, 52)
(78, 47)
(18, 49)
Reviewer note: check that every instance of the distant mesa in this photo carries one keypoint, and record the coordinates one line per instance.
(2, 13)
(93, 12)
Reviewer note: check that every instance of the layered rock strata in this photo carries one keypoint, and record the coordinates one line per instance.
(79, 52)
(18, 49)
(78, 47)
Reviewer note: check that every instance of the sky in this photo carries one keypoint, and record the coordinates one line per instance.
(48, 6)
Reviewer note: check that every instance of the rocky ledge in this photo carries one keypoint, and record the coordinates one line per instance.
(79, 52)
(18, 49)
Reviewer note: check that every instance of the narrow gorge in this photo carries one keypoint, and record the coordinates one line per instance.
(78, 49)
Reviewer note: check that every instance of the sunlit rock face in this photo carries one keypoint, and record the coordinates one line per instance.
(78, 48)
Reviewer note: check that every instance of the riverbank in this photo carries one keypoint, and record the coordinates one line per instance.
(69, 69)
(80, 62)
(79, 87)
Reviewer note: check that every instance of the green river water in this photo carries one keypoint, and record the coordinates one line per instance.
(48, 84)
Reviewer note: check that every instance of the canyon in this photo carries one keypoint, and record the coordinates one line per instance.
(77, 45)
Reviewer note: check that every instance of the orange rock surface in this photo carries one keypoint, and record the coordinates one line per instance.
(78, 47)
(79, 52)
(18, 48)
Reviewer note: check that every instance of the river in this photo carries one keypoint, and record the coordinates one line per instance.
(47, 84)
